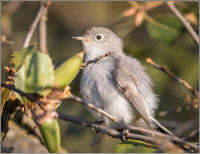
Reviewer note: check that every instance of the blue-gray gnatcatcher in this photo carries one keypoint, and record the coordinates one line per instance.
(117, 83)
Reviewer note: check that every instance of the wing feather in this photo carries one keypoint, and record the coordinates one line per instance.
(126, 82)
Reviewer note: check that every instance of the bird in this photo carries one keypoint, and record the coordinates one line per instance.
(117, 83)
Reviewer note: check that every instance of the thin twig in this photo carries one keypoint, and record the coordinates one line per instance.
(140, 129)
(5, 41)
(115, 134)
(173, 76)
(33, 25)
(42, 29)
(27, 95)
(106, 114)
(29, 124)
(111, 132)
(91, 106)
(95, 60)
(143, 130)
(184, 21)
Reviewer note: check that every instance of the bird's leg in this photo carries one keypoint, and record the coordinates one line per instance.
(124, 133)
(99, 134)
(98, 122)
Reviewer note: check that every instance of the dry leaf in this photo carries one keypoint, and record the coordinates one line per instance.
(129, 12)
(171, 2)
(139, 18)
(152, 5)
(191, 17)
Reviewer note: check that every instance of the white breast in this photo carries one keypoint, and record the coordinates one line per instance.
(98, 87)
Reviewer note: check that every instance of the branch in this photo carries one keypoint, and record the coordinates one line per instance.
(140, 129)
(33, 25)
(115, 134)
(27, 95)
(95, 60)
(111, 132)
(91, 106)
(173, 76)
(5, 41)
(42, 29)
(106, 114)
(184, 21)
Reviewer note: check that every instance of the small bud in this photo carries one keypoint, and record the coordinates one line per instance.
(149, 60)
(7, 69)
(13, 70)
(10, 78)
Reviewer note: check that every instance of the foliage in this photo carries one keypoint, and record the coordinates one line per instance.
(4, 96)
(35, 71)
(135, 146)
(35, 74)
(51, 134)
(67, 71)
(169, 45)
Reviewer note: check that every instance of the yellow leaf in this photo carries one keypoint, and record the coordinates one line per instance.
(4, 96)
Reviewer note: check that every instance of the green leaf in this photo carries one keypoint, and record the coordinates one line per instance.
(135, 146)
(170, 20)
(68, 70)
(19, 56)
(19, 82)
(162, 32)
(39, 73)
(51, 134)
(4, 96)
(35, 75)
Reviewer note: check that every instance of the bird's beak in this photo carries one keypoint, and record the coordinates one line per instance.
(82, 38)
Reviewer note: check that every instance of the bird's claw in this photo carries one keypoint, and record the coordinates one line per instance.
(124, 133)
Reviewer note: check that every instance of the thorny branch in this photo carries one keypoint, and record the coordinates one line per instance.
(184, 21)
(143, 130)
(173, 76)
(27, 95)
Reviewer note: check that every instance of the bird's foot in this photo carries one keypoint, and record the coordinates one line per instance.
(98, 122)
(124, 133)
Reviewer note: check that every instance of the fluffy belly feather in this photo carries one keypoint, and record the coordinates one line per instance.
(98, 88)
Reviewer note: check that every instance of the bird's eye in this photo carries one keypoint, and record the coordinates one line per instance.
(99, 37)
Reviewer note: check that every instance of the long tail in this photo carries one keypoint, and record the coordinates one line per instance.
(160, 126)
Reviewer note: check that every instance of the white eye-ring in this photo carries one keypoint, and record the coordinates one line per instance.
(99, 37)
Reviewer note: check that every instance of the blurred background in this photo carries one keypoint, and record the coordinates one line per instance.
(173, 47)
